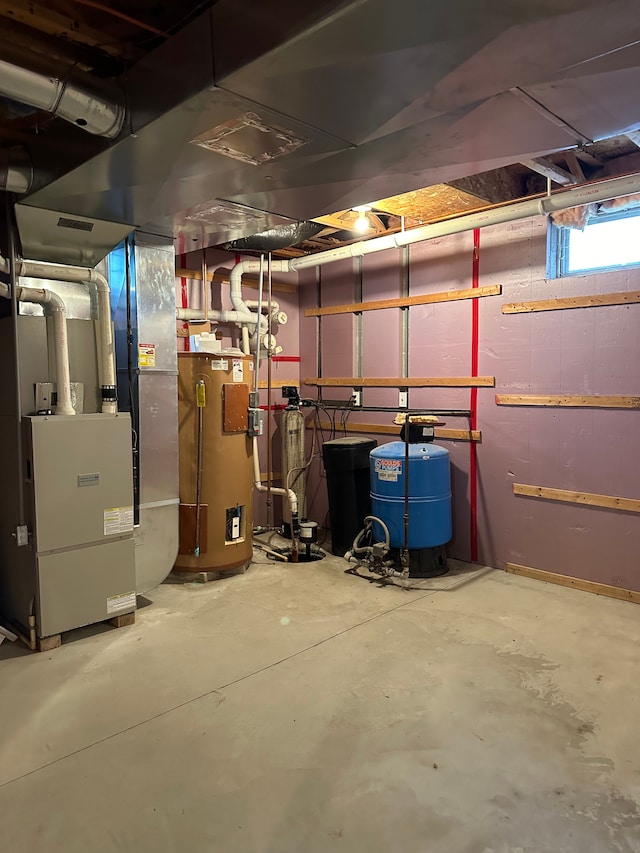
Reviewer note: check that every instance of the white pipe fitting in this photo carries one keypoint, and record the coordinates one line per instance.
(257, 482)
(42, 296)
(84, 275)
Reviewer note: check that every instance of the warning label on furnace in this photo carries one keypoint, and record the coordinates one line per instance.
(146, 355)
(388, 469)
(118, 519)
(118, 603)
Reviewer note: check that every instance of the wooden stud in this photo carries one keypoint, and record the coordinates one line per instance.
(123, 620)
(574, 167)
(405, 301)
(393, 429)
(550, 170)
(568, 400)
(575, 583)
(585, 498)
(596, 300)
(401, 382)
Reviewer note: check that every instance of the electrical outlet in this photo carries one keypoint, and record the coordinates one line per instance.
(356, 397)
(235, 527)
(403, 399)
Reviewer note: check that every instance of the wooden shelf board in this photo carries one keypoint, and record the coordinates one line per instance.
(405, 301)
(575, 583)
(584, 498)
(569, 400)
(596, 300)
(393, 429)
(247, 280)
(401, 382)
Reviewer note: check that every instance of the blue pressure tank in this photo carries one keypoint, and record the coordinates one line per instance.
(429, 493)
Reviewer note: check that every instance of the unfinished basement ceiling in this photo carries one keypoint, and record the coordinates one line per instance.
(315, 110)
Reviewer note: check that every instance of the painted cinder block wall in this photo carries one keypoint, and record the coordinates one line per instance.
(579, 351)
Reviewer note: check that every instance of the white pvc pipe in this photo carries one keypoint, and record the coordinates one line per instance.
(84, 275)
(600, 191)
(58, 309)
(253, 303)
(235, 278)
(246, 347)
(257, 482)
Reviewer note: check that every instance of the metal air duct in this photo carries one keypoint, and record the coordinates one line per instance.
(276, 238)
(65, 92)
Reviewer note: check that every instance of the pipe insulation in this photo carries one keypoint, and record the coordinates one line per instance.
(106, 350)
(58, 311)
(66, 92)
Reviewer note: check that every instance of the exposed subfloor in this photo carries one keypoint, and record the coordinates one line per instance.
(298, 709)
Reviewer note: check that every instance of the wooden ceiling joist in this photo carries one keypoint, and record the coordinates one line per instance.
(548, 169)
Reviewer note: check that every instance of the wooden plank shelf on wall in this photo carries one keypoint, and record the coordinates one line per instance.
(584, 498)
(569, 401)
(401, 382)
(247, 280)
(405, 301)
(597, 300)
(575, 583)
(392, 429)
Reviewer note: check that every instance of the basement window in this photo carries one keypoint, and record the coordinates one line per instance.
(609, 241)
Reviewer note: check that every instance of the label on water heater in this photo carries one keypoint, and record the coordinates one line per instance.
(388, 469)
(238, 370)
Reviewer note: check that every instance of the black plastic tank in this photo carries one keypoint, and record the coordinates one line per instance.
(346, 461)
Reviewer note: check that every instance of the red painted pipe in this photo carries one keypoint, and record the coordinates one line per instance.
(184, 295)
(473, 421)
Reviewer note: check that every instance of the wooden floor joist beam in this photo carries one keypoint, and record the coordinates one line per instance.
(401, 382)
(575, 583)
(584, 498)
(569, 401)
(405, 301)
(596, 300)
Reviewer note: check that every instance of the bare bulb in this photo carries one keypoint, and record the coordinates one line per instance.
(362, 223)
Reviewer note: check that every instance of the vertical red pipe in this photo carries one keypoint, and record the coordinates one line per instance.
(473, 421)
(185, 298)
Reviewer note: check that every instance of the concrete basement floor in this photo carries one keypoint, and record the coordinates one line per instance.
(297, 709)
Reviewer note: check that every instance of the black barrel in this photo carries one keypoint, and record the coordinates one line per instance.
(346, 461)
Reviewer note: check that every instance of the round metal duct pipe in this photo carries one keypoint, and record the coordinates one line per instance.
(66, 92)
(275, 238)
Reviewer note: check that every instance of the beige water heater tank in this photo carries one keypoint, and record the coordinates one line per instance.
(216, 464)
